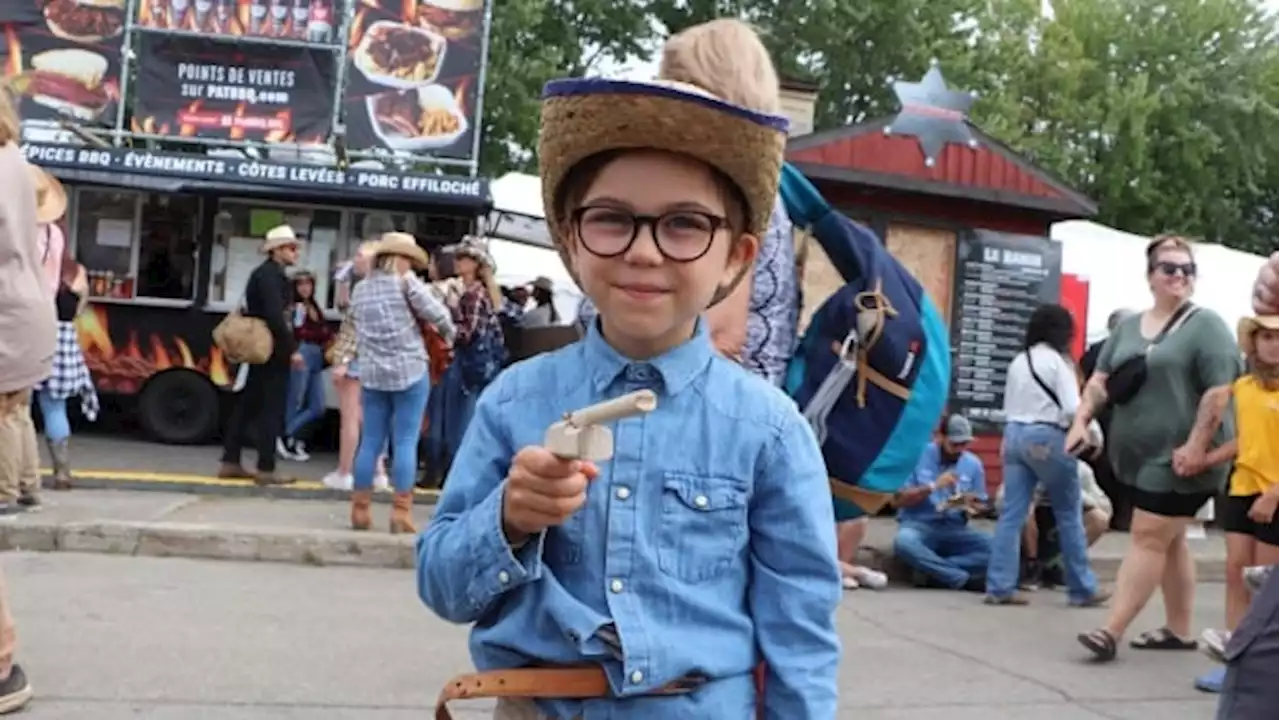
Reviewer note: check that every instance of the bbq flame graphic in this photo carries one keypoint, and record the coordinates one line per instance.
(13, 65)
(125, 369)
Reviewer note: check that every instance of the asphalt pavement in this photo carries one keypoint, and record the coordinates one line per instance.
(111, 638)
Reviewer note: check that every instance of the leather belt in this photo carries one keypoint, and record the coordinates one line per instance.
(554, 683)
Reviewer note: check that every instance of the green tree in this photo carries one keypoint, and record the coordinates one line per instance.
(533, 41)
(1163, 112)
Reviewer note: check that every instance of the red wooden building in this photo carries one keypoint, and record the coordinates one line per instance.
(921, 208)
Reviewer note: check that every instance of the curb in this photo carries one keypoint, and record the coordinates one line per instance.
(213, 542)
(196, 485)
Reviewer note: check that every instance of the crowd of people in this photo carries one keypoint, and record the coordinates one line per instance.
(416, 346)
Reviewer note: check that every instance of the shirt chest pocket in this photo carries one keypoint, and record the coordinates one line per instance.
(702, 526)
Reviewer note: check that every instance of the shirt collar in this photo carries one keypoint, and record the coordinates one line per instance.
(677, 367)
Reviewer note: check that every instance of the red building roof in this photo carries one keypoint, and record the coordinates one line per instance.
(991, 173)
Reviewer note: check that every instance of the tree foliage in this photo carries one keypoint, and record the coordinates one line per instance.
(1163, 111)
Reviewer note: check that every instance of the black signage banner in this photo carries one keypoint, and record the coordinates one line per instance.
(1000, 280)
(20, 12)
(413, 81)
(300, 20)
(63, 58)
(200, 88)
(382, 184)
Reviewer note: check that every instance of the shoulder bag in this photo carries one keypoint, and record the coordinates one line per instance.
(439, 352)
(1126, 379)
(243, 339)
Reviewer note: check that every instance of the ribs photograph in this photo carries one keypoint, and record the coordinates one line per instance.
(413, 81)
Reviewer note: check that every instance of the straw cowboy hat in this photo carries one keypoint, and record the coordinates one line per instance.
(476, 249)
(403, 245)
(585, 117)
(1247, 326)
(278, 237)
(51, 198)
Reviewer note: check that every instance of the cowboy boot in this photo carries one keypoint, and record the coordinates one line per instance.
(402, 514)
(60, 451)
(360, 518)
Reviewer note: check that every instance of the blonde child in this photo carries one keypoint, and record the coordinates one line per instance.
(1248, 514)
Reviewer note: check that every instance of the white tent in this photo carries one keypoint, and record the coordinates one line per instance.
(521, 244)
(1115, 264)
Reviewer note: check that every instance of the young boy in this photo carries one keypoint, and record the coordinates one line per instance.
(1249, 511)
(652, 584)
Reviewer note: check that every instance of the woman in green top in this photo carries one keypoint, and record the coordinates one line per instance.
(1194, 363)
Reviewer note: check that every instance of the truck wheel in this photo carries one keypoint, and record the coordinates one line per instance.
(179, 407)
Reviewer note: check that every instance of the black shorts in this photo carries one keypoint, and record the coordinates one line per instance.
(1235, 519)
(1170, 504)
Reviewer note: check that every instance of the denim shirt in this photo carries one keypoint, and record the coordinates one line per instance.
(707, 543)
(970, 478)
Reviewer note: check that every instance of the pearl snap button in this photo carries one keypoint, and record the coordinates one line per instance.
(616, 586)
(623, 493)
(504, 577)
(637, 677)
(700, 501)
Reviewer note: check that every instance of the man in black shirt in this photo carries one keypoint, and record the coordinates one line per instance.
(260, 405)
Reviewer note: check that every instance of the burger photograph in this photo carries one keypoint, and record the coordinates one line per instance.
(68, 66)
(85, 21)
(454, 19)
(69, 81)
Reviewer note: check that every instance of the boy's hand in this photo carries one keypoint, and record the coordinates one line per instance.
(543, 491)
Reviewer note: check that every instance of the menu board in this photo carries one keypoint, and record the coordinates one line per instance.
(413, 81)
(62, 57)
(199, 87)
(1000, 280)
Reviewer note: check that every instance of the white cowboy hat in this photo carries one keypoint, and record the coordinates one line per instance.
(278, 237)
(403, 245)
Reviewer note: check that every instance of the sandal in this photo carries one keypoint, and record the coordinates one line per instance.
(1162, 639)
(1101, 643)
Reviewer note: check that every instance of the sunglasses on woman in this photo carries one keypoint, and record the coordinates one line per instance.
(1172, 268)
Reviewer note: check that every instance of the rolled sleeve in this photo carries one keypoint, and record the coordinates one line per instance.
(795, 585)
(465, 563)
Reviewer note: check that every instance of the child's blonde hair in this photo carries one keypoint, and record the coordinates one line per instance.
(726, 58)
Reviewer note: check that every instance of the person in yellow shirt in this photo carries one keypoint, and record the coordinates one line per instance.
(1248, 514)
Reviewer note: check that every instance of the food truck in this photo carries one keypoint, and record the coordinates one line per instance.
(222, 120)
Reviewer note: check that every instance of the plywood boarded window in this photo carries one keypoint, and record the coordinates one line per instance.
(930, 255)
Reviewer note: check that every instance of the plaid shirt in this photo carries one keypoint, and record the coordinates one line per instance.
(388, 339)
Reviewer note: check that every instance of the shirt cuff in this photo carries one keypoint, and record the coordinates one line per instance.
(499, 569)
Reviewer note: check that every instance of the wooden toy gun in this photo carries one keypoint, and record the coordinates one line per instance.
(582, 434)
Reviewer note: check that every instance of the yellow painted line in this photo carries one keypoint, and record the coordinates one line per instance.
(206, 480)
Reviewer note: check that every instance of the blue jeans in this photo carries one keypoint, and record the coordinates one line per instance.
(949, 552)
(1034, 454)
(306, 390)
(54, 411)
(395, 416)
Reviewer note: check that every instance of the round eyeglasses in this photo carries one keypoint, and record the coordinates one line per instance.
(681, 235)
